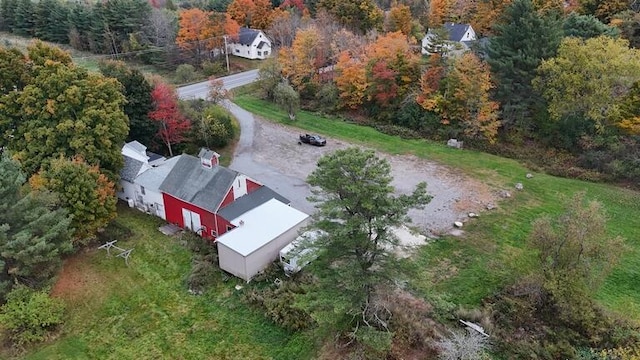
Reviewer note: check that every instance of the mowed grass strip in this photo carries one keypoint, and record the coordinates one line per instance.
(145, 312)
(492, 252)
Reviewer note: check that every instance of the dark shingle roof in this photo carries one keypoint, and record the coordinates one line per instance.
(250, 201)
(456, 31)
(190, 182)
(153, 156)
(130, 169)
(246, 36)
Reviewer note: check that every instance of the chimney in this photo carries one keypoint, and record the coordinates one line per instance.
(208, 158)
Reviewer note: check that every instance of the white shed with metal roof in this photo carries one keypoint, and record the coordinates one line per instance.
(258, 237)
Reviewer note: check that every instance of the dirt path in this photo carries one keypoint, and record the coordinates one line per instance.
(454, 194)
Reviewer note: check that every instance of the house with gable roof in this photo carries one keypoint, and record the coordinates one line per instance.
(251, 44)
(459, 38)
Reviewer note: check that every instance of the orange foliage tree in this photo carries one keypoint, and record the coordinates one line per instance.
(462, 98)
(256, 14)
(301, 63)
(196, 31)
(439, 12)
(351, 80)
(400, 19)
(392, 68)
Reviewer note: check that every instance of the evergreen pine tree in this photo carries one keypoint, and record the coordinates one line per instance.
(523, 39)
(24, 18)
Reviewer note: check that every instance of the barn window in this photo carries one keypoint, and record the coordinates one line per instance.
(266, 53)
(229, 227)
(259, 53)
(214, 233)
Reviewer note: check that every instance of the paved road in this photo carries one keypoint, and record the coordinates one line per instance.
(291, 187)
(200, 90)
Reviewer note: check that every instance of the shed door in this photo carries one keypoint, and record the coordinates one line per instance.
(191, 220)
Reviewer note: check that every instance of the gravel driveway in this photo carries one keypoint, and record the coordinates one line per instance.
(270, 153)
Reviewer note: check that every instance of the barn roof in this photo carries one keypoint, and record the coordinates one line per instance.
(153, 178)
(250, 201)
(247, 36)
(259, 226)
(456, 31)
(130, 169)
(189, 181)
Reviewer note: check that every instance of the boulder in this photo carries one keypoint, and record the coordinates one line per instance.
(472, 215)
(458, 224)
(505, 194)
(455, 143)
(519, 186)
(490, 206)
(529, 175)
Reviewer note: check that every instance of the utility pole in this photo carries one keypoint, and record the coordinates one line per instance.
(226, 52)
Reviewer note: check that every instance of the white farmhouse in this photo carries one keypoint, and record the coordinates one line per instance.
(460, 37)
(251, 44)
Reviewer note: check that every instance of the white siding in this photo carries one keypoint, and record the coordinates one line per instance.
(261, 258)
(232, 262)
(128, 191)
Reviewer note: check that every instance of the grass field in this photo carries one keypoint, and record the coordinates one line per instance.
(491, 254)
(144, 311)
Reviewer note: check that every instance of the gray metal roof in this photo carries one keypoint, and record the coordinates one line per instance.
(261, 44)
(247, 36)
(250, 201)
(153, 178)
(130, 169)
(456, 31)
(190, 182)
(137, 146)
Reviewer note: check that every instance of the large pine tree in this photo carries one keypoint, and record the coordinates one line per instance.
(524, 37)
(34, 232)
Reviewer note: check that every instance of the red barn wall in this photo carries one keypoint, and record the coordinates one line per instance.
(227, 199)
(173, 210)
(252, 185)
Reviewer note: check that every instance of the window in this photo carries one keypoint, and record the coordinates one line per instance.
(266, 53)
(229, 227)
(259, 53)
(214, 233)
(238, 50)
(142, 190)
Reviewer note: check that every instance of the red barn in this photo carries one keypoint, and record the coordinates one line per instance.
(197, 189)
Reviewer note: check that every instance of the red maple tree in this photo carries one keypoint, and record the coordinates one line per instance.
(173, 125)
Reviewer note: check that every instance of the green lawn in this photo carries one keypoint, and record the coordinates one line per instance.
(144, 311)
(491, 253)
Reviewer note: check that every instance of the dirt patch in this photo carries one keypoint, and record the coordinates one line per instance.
(77, 279)
(454, 194)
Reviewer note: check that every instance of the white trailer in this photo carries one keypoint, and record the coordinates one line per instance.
(299, 252)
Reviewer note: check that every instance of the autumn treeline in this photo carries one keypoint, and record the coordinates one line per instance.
(519, 91)
(363, 57)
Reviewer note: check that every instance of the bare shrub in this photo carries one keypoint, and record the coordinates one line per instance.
(410, 321)
(463, 346)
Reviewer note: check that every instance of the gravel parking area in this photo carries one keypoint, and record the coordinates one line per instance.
(454, 195)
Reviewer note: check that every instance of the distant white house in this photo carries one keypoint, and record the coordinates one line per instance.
(459, 38)
(251, 44)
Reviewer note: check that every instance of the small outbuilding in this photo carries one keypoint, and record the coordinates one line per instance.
(258, 237)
